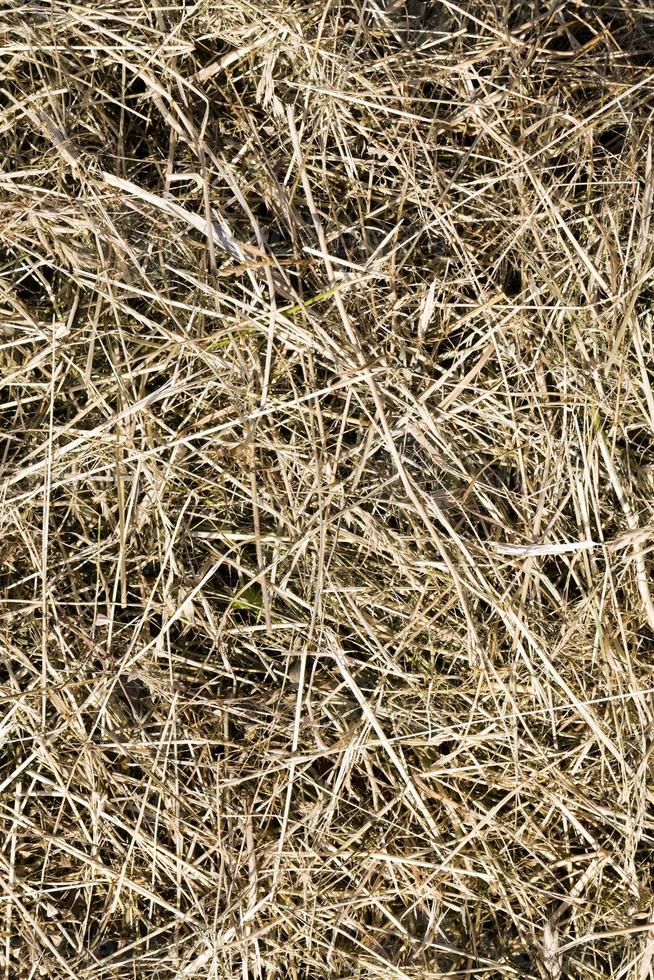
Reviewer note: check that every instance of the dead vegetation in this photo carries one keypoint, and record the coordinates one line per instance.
(327, 489)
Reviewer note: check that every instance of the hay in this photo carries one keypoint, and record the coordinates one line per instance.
(327, 489)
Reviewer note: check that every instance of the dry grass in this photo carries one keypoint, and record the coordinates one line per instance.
(327, 489)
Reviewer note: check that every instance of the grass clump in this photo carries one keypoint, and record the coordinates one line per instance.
(326, 460)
